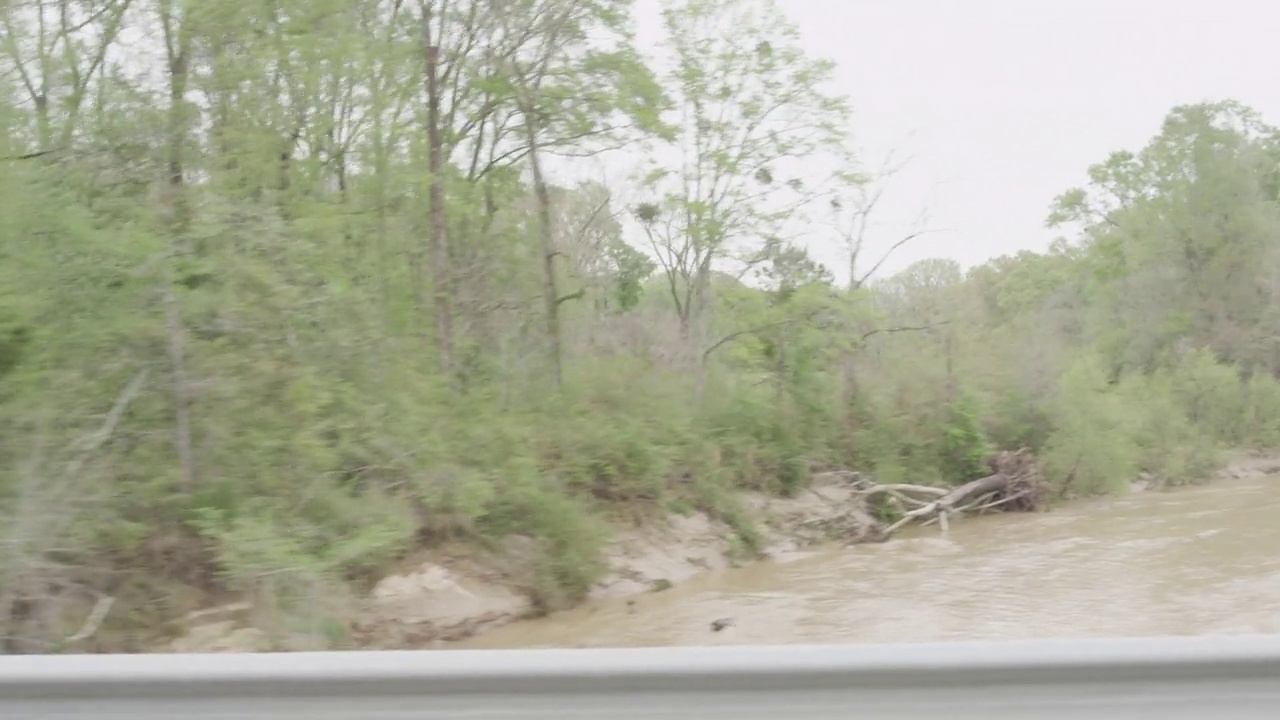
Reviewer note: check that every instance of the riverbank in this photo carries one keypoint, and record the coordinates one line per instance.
(1193, 560)
(453, 593)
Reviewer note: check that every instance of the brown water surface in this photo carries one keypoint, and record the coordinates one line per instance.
(1195, 561)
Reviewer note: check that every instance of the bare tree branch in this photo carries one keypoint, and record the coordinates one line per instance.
(854, 231)
(904, 328)
(94, 620)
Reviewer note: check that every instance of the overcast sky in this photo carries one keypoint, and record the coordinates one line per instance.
(1003, 104)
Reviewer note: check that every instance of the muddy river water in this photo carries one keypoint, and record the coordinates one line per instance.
(1194, 561)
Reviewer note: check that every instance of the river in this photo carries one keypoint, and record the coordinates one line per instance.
(1185, 562)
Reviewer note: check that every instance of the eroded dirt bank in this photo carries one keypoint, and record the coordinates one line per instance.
(1195, 560)
(446, 596)
(442, 598)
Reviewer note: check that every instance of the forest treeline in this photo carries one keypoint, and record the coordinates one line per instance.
(289, 289)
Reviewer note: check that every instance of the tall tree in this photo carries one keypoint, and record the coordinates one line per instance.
(433, 19)
(580, 87)
(755, 122)
(1174, 232)
(58, 50)
(175, 24)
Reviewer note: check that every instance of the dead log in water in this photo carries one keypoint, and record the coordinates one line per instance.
(1016, 484)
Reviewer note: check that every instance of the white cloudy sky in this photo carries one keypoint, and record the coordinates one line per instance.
(1005, 103)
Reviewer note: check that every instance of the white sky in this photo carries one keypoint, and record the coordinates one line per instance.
(1003, 104)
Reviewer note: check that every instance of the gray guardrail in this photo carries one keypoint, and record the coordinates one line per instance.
(1217, 677)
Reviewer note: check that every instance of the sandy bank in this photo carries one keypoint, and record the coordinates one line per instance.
(447, 595)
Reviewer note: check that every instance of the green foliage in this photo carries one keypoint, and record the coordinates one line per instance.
(717, 498)
(1093, 447)
(1173, 448)
(964, 446)
(632, 269)
(569, 536)
(14, 338)
(1261, 415)
(245, 380)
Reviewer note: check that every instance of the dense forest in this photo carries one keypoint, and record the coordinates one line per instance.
(291, 289)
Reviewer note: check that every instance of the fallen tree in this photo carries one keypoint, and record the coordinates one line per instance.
(1016, 484)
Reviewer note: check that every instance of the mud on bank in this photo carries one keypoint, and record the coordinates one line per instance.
(450, 594)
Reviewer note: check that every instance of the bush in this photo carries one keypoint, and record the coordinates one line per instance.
(1174, 448)
(1093, 448)
(1261, 413)
(964, 446)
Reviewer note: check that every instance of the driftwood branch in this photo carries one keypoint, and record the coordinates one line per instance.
(988, 503)
(89, 443)
(905, 487)
(804, 317)
(952, 499)
(1015, 484)
(902, 493)
(94, 621)
(40, 519)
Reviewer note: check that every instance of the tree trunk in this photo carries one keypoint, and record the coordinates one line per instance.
(949, 351)
(435, 166)
(177, 42)
(696, 327)
(550, 289)
(177, 112)
(181, 389)
(849, 375)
